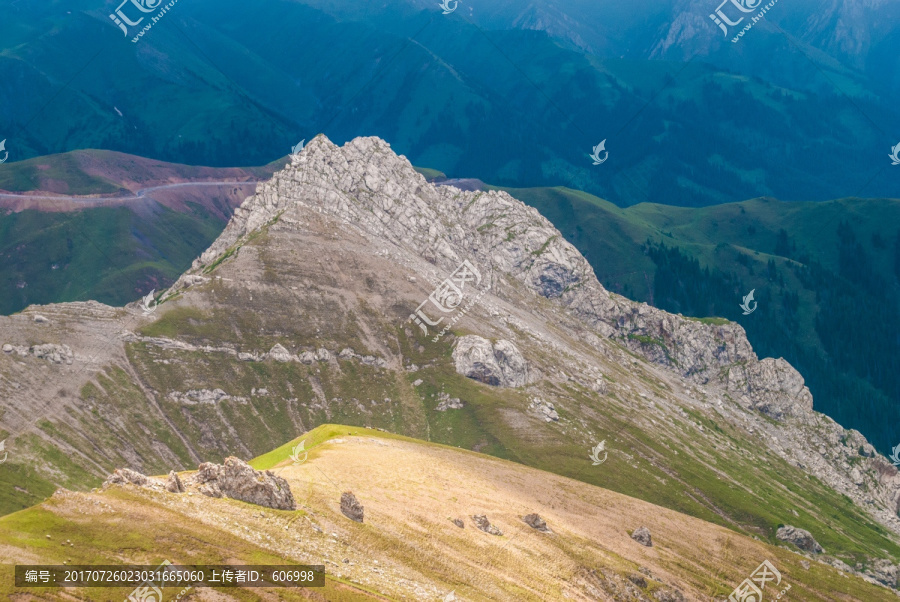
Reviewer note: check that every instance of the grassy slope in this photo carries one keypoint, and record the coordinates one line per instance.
(409, 487)
(27, 175)
(110, 255)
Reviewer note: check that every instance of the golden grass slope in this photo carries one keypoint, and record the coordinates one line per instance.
(408, 548)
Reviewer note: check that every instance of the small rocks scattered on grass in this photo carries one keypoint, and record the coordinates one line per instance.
(459, 523)
(642, 536)
(536, 522)
(448, 403)
(481, 521)
(545, 409)
(350, 507)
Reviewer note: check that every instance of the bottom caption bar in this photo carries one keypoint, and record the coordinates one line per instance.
(170, 575)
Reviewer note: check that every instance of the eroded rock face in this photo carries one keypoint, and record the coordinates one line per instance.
(799, 537)
(238, 480)
(884, 571)
(773, 387)
(350, 507)
(499, 364)
(642, 536)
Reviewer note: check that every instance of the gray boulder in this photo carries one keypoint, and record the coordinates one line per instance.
(500, 364)
(238, 480)
(536, 522)
(642, 536)
(280, 354)
(799, 537)
(350, 507)
(481, 521)
(121, 476)
(174, 484)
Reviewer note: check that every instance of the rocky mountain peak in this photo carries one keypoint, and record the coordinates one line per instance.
(522, 259)
(304, 311)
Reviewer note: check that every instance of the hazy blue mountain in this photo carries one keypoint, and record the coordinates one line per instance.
(514, 93)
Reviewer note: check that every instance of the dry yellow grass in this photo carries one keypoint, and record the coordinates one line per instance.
(408, 548)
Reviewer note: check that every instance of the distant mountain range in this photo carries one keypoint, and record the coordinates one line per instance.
(514, 93)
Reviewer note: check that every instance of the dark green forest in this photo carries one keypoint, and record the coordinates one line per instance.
(853, 370)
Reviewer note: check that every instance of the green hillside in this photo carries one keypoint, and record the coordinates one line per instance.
(112, 255)
(826, 279)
